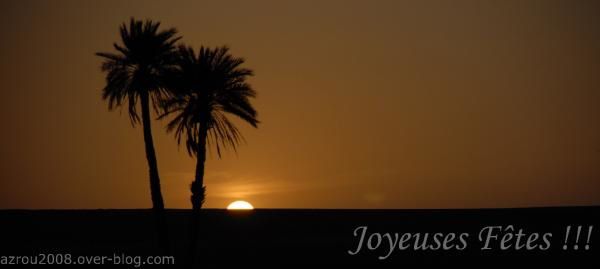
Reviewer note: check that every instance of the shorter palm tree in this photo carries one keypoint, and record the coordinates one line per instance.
(208, 86)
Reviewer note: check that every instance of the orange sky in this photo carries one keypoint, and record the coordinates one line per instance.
(364, 104)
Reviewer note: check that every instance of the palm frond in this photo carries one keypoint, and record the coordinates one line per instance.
(139, 64)
(207, 86)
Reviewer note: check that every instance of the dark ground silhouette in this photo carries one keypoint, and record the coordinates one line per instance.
(291, 237)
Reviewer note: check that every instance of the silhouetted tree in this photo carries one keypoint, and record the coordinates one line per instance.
(136, 72)
(207, 87)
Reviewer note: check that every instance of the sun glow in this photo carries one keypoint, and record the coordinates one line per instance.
(240, 205)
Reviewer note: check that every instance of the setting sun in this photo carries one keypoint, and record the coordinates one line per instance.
(240, 205)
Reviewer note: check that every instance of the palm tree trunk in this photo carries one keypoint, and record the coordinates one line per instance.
(158, 205)
(157, 200)
(198, 195)
(197, 187)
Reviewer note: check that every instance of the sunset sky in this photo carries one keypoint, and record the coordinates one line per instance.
(363, 104)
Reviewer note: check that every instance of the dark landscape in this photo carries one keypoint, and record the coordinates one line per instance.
(292, 236)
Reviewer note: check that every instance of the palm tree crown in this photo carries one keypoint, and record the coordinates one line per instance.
(209, 85)
(146, 56)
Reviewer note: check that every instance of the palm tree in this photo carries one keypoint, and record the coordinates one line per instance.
(136, 73)
(208, 86)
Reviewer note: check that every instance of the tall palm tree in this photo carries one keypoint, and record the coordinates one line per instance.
(208, 86)
(135, 73)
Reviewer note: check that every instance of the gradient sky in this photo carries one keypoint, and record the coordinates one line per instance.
(364, 104)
